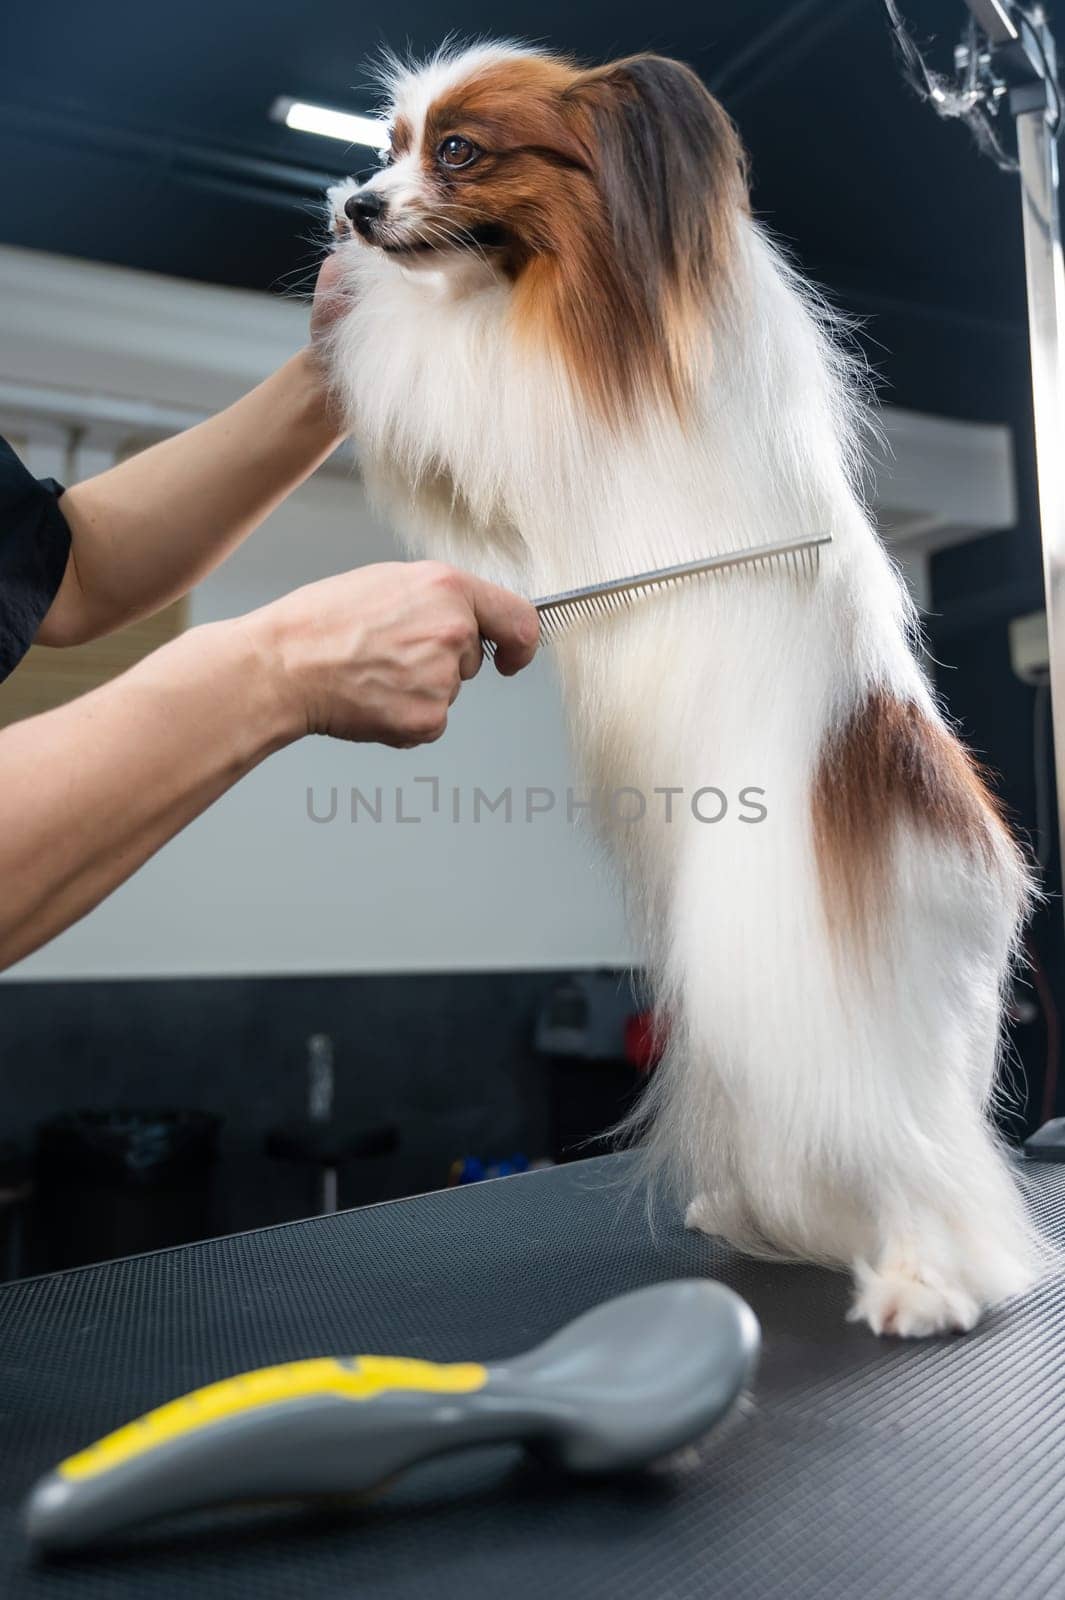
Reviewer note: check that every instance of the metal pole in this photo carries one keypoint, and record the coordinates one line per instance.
(1045, 277)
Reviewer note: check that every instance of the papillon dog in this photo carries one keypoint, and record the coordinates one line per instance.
(570, 353)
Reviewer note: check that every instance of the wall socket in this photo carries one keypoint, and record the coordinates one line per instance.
(1029, 647)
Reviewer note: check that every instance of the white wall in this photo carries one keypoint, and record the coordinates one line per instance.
(255, 886)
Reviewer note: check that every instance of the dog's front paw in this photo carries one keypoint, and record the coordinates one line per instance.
(720, 1212)
(717, 1213)
(911, 1303)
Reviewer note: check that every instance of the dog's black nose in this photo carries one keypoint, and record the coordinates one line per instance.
(363, 209)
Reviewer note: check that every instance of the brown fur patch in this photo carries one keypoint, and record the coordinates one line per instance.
(402, 136)
(616, 191)
(892, 764)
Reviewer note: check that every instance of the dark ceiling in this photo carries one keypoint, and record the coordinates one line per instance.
(139, 134)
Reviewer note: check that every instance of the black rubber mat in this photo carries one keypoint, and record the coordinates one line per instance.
(858, 1469)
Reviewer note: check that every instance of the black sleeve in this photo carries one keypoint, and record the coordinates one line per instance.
(34, 545)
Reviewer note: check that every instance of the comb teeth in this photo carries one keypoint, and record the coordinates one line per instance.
(799, 558)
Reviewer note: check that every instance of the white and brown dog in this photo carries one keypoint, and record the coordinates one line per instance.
(571, 354)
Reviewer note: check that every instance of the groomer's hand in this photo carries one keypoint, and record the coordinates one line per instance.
(379, 654)
(331, 298)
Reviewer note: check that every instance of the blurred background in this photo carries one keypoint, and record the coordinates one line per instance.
(306, 1001)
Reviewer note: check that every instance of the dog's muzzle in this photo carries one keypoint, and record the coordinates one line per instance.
(364, 211)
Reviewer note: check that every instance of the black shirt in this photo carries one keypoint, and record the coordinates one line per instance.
(34, 545)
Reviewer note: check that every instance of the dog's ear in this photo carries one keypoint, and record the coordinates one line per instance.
(670, 163)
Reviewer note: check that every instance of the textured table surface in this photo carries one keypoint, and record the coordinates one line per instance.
(858, 1469)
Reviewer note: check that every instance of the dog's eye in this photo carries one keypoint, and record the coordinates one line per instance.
(455, 151)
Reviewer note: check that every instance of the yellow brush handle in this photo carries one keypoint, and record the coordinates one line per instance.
(354, 1378)
(626, 1383)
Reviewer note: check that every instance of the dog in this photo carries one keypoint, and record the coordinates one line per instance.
(569, 353)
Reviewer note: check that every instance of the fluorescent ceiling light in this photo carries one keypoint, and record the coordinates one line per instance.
(330, 123)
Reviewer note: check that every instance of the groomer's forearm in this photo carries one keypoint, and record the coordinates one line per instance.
(146, 531)
(88, 792)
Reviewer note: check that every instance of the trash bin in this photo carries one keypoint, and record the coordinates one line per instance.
(115, 1183)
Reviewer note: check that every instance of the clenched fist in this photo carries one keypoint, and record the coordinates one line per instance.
(379, 654)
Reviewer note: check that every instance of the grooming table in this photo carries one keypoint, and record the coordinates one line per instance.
(858, 1470)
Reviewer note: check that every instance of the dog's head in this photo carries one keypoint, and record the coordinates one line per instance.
(607, 198)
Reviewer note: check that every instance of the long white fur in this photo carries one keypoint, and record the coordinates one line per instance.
(812, 1107)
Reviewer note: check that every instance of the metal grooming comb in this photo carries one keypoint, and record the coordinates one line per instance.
(558, 611)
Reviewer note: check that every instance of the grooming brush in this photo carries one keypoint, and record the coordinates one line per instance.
(557, 612)
(623, 1386)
